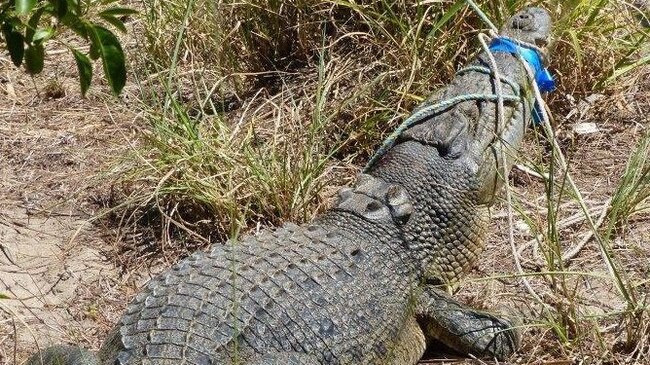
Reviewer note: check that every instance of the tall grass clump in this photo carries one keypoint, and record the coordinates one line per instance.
(266, 165)
(631, 199)
(632, 196)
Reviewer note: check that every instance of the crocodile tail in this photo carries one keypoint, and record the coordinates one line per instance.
(63, 355)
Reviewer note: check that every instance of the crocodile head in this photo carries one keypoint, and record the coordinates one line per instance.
(469, 131)
(452, 162)
(471, 134)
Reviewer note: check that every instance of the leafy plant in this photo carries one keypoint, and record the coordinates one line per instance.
(27, 25)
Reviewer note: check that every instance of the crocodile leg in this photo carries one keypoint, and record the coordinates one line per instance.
(464, 329)
(409, 347)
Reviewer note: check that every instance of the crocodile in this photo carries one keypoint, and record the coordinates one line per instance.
(365, 282)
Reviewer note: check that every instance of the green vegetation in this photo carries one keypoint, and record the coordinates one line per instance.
(632, 197)
(27, 25)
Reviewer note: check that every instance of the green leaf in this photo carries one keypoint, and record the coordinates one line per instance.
(24, 6)
(15, 43)
(4, 296)
(117, 11)
(42, 35)
(76, 24)
(117, 23)
(60, 8)
(85, 69)
(106, 44)
(65, 8)
(94, 52)
(34, 58)
(32, 24)
(113, 15)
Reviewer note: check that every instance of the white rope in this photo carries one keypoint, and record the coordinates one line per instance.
(504, 166)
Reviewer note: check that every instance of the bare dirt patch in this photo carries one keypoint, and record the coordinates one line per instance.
(54, 147)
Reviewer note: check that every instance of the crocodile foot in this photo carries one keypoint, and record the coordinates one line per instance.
(464, 329)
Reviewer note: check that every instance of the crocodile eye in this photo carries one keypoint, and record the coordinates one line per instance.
(396, 195)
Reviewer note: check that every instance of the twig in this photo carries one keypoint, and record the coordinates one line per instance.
(573, 252)
(531, 172)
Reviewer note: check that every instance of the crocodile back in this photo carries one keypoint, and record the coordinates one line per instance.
(331, 289)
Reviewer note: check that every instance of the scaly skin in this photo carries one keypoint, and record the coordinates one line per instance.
(358, 284)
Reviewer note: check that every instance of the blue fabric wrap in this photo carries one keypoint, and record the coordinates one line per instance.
(543, 77)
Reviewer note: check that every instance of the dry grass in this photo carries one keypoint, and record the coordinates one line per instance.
(347, 71)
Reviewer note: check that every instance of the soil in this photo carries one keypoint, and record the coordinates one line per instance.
(64, 284)
(55, 146)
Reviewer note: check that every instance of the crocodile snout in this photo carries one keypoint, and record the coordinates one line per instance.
(531, 25)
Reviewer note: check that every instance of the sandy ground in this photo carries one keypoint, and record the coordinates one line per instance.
(53, 270)
(62, 281)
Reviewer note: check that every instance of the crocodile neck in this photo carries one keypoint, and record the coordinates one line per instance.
(444, 235)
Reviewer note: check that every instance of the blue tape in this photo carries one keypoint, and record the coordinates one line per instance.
(543, 77)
